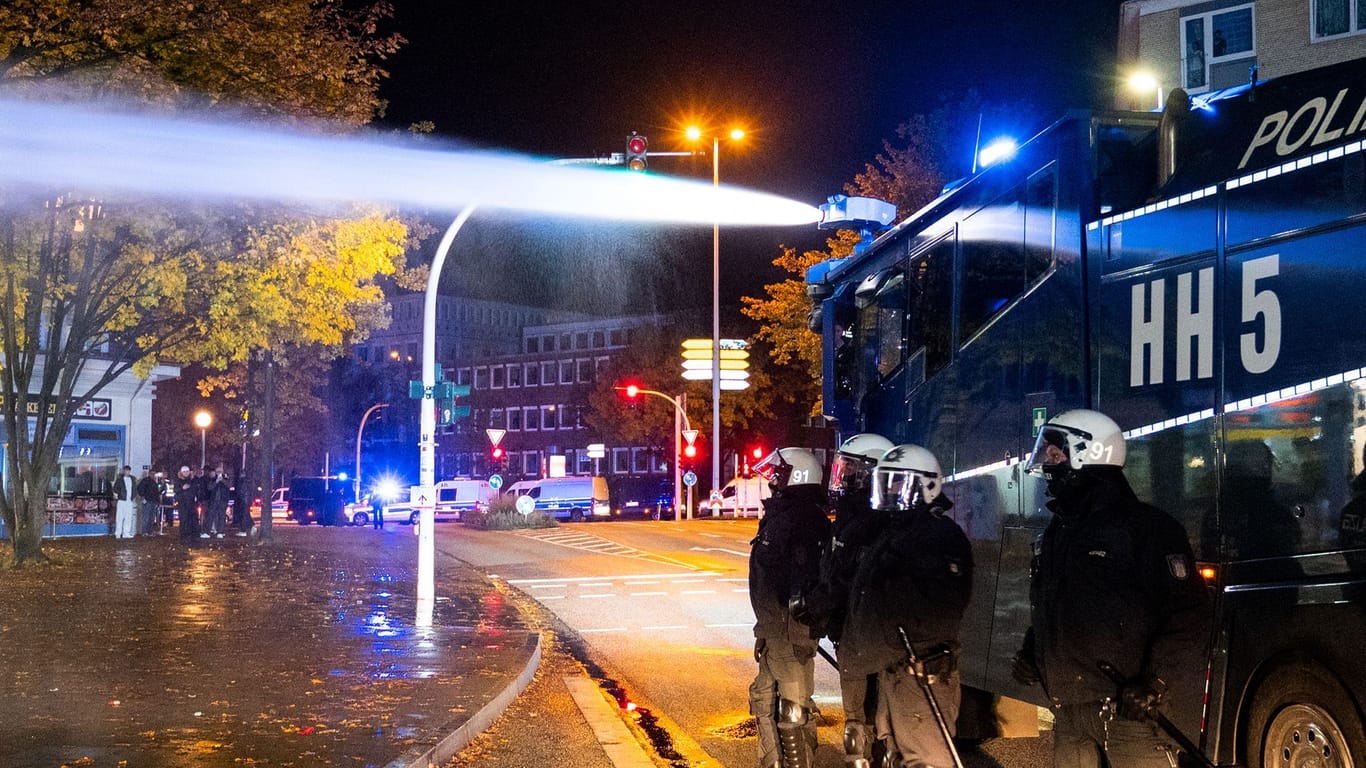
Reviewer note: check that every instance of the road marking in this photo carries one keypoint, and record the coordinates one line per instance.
(590, 597)
(605, 629)
(688, 581)
(550, 597)
(599, 545)
(648, 594)
(638, 583)
(698, 592)
(718, 549)
(712, 535)
(579, 579)
(746, 589)
(668, 626)
(548, 586)
(739, 580)
(611, 733)
(595, 585)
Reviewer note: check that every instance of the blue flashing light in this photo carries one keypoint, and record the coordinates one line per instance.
(386, 488)
(997, 151)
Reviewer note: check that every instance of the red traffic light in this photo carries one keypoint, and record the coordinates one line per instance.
(757, 452)
(690, 451)
(497, 452)
(636, 151)
(632, 391)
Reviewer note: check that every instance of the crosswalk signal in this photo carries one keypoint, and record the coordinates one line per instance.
(636, 147)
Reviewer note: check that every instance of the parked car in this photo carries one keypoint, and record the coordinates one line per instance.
(317, 500)
(742, 497)
(650, 498)
(279, 504)
(453, 499)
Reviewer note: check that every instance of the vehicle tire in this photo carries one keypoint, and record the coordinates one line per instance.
(576, 515)
(1301, 715)
(360, 518)
(414, 518)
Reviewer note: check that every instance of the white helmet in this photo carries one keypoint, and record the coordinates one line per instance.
(854, 462)
(904, 475)
(790, 467)
(1077, 440)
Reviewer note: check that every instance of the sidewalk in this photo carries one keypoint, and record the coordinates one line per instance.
(303, 653)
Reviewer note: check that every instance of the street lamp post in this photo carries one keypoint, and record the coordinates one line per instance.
(359, 432)
(736, 134)
(203, 419)
(681, 423)
(426, 544)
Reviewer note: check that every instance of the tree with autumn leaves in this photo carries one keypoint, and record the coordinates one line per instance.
(908, 173)
(93, 287)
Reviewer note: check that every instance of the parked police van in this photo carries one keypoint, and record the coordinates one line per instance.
(453, 499)
(567, 498)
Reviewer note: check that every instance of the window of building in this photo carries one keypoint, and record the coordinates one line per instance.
(599, 339)
(548, 417)
(514, 419)
(547, 343)
(566, 342)
(621, 461)
(497, 419)
(566, 414)
(585, 371)
(531, 464)
(641, 462)
(1334, 18)
(462, 376)
(533, 374)
(616, 337)
(581, 341)
(515, 375)
(531, 418)
(585, 464)
(533, 345)
(481, 378)
(566, 371)
(547, 373)
(499, 376)
(600, 366)
(1212, 42)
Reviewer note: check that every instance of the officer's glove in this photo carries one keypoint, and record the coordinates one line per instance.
(760, 645)
(1024, 670)
(1139, 698)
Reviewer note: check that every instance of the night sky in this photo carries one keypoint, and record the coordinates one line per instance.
(818, 86)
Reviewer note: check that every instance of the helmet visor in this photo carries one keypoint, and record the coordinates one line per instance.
(774, 470)
(849, 473)
(895, 489)
(1052, 448)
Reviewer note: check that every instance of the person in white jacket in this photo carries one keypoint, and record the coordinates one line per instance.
(126, 504)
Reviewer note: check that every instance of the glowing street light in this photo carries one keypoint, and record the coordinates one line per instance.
(694, 134)
(202, 419)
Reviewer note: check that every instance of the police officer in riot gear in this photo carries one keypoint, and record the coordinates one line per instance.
(857, 525)
(910, 589)
(783, 565)
(1113, 585)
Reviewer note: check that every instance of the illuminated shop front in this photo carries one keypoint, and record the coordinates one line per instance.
(106, 433)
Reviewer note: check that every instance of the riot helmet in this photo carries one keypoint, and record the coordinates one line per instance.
(852, 470)
(1074, 441)
(906, 476)
(790, 467)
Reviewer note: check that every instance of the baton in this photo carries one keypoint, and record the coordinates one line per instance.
(919, 672)
(1168, 727)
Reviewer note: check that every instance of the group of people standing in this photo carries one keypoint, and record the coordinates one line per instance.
(201, 503)
(1114, 598)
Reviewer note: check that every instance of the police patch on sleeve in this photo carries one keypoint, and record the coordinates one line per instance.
(1179, 567)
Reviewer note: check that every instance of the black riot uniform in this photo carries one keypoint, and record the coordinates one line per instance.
(916, 577)
(1113, 583)
(783, 564)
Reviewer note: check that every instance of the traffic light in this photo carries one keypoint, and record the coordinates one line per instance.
(757, 452)
(636, 147)
(690, 452)
(632, 391)
(497, 453)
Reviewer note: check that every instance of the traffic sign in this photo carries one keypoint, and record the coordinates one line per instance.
(495, 435)
(689, 436)
(495, 482)
(690, 478)
(526, 505)
(597, 450)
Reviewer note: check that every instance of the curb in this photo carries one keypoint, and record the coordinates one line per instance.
(447, 747)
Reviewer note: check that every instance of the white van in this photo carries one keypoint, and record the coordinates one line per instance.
(567, 498)
(453, 499)
(744, 496)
